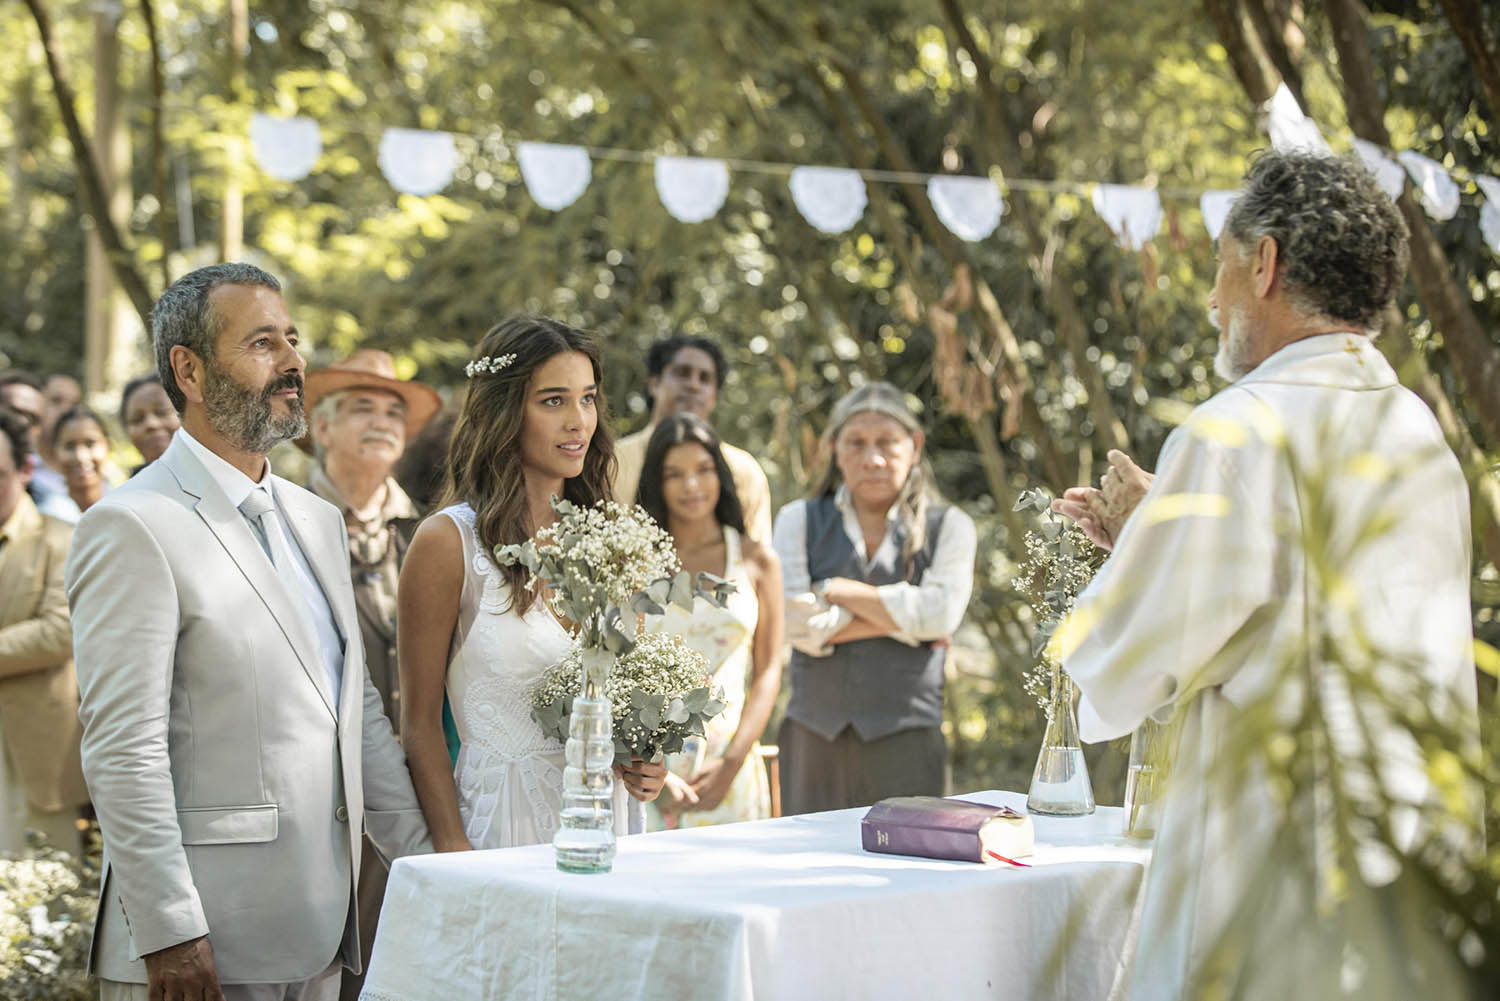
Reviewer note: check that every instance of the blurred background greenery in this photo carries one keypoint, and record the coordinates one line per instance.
(1031, 353)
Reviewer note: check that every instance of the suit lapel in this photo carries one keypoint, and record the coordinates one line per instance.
(329, 564)
(234, 533)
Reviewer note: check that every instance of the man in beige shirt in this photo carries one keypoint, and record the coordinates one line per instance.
(684, 374)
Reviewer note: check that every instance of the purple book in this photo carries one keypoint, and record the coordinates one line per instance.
(958, 829)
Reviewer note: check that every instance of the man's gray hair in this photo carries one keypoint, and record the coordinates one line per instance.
(1341, 244)
(183, 315)
(326, 409)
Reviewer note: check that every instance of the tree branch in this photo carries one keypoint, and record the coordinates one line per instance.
(1477, 38)
(121, 259)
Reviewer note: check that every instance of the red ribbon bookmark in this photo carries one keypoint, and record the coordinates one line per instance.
(1010, 861)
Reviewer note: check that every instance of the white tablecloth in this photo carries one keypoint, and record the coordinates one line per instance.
(778, 909)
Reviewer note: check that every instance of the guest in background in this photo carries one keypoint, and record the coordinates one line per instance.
(684, 375)
(148, 417)
(421, 468)
(878, 571)
(362, 417)
(60, 393)
(81, 444)
(687, 486)
(21, 392)
(41, 781)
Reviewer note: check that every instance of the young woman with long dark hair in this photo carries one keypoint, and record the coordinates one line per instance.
(532, 428)
(687, 486)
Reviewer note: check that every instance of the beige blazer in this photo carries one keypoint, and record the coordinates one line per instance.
(38, 692)
(230, 783)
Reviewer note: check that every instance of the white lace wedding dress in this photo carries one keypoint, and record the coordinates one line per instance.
(509, 774)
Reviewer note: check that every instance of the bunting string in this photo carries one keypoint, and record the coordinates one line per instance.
(833, 199)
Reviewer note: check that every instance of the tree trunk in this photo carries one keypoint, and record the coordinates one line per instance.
(120, 257)
(1466, 18)
(1247, 53)
(158, 142)
(1473, 356)
(232, 222)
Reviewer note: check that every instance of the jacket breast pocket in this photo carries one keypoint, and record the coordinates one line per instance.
(228, 825)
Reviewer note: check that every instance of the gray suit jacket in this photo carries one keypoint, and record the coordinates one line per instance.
(230, 783)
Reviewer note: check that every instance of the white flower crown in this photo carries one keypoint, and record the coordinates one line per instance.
(479, 366)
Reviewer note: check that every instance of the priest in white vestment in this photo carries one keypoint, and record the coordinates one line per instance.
(1293, 591)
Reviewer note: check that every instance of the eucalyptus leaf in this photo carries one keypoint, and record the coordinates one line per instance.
(696, 700)
(713, 707)
(644, 604)
(677, 711)
(651, 717)
(682, 593)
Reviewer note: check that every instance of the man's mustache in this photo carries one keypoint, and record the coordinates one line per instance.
(289, 381)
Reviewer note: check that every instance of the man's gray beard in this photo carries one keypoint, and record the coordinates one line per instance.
(246, 418)
(1230, 363)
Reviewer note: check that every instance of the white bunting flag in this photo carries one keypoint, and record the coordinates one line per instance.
(1388, 173)
(416, 161)
(1291, 130)
(1439, 192)
(1215, 206)
(970, 207)
(830, 198)
(1133, 213)
(1489, 212)
(285, 148)
(555, 175)
(692, 188)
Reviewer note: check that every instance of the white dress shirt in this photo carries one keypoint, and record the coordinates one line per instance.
(237, 486)
(925, 611)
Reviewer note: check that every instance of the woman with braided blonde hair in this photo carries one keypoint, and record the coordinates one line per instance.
(877, 572)
(532, 427)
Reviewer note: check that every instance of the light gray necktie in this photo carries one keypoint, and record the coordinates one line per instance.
(260, 510)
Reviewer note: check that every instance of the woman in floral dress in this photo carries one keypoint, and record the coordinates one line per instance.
(687, 487)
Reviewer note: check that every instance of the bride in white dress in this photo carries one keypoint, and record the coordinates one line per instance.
(530, 429)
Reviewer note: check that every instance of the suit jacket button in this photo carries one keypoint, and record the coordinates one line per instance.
(341, 814)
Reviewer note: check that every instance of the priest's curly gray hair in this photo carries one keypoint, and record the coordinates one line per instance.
(1340, 241)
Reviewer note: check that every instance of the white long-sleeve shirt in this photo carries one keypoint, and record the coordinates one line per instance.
(925, 611)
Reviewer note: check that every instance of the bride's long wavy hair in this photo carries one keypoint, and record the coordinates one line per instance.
(484, 466)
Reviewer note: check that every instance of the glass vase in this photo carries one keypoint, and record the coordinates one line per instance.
(1145, 780)
(1060, 785)
(585, 841)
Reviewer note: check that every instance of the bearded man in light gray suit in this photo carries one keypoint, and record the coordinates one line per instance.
(233, 743)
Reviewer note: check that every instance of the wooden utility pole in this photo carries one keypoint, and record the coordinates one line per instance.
(112, 329)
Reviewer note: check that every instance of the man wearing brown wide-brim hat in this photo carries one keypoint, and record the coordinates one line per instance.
(361, 418)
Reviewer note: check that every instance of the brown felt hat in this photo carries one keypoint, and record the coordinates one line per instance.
(369, 368)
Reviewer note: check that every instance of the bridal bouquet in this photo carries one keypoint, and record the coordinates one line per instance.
(658, 692)
(601, 563)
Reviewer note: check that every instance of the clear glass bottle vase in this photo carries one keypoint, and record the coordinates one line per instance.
(1145, 780)
(1060, 785)
(585, 841)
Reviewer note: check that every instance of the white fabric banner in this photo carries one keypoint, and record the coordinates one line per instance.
(692, 188)
(555, 175)
(970, 207)
(1388, 173)
(417, 162)
(1439, 192)
(1133, 213)
(1215, 206)
(285, 148)
(1489, 212)
(1290, 129)
(831, 198)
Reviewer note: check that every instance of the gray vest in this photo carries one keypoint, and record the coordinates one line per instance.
(878, 686)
